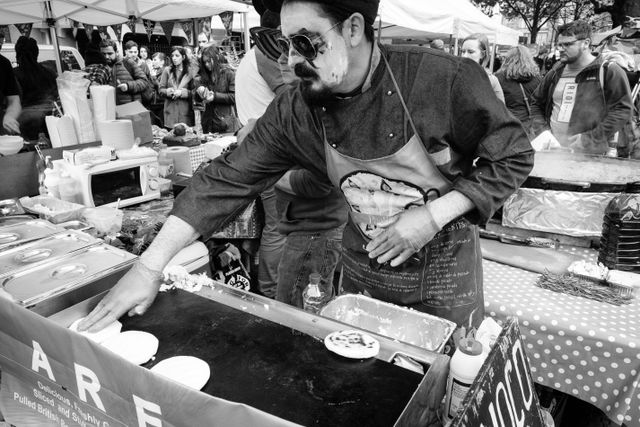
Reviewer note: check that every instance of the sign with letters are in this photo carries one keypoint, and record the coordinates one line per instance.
(503, 394)
(51, 376)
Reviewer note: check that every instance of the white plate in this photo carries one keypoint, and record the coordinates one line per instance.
(186, 370)
(352, 344)
(135, 346)
(102, 335)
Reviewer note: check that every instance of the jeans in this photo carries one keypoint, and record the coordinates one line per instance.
(271, 243)
(306, 253)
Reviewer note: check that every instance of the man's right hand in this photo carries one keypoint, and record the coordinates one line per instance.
(11, 124)
(133, 293)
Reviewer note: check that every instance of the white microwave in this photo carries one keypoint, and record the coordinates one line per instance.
(128, 181)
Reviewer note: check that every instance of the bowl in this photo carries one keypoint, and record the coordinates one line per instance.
(10, 144)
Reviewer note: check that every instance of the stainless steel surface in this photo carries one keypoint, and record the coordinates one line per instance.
(15, 234)
(75, 225)
(47, 280)
(40, 251)
(14, 219)
(393, 321)
(584, 169)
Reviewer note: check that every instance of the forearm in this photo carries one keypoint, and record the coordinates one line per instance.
(14, 107)
(174, 235)
(450, 207)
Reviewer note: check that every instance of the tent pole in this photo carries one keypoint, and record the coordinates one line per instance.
(245, 25)
(54, 37)
(451, 44)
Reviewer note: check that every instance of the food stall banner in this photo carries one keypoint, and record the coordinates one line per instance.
(52, 376)
(503, 393)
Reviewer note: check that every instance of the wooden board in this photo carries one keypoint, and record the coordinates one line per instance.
(528, 258)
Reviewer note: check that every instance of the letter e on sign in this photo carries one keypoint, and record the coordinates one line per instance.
(144, 418)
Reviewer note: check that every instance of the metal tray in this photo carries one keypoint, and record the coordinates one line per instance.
(403, 324)
(47, 280)
(15, 219)
(23, 232)
(41, 251)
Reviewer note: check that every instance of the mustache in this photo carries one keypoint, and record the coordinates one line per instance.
(302, 71)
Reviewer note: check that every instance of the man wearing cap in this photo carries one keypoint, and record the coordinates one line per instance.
(419, 160)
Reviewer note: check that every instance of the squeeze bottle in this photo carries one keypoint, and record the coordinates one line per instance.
(463, 368)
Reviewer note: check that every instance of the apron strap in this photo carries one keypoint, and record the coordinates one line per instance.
(395, 83)
(363, 218)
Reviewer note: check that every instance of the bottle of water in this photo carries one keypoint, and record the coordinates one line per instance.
(313, 298)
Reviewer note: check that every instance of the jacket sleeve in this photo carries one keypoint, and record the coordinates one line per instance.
(617, 95)
(483, 129)
(139, 81)
(306, 184)
(164, 82)
(228, 97)
(220, 191)
(539, 105)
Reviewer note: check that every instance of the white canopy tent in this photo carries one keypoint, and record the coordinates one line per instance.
(440, 19)
(109, 12)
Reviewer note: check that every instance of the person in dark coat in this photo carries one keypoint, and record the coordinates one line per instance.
(128, 79)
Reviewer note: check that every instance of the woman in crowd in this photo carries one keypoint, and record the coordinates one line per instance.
(38, 89)
(215, 87)
(476, 47)
(175, 87)
(145, 57)
(519, 76)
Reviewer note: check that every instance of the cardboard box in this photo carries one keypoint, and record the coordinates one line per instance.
(140, 118)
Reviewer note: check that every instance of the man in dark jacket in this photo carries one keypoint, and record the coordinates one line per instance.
(583, 101)
(128, 79)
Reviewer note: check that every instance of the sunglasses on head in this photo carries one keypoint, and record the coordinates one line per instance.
(303, 44)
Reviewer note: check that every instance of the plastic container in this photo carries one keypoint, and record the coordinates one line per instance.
(52, 182)
(69, 189)
(465, 365)
(165, 165)
(105, 220)
(313, 298)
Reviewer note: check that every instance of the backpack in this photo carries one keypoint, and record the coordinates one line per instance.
(149, 94)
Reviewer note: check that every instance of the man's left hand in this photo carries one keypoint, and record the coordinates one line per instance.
(582, 143)
(411, 232)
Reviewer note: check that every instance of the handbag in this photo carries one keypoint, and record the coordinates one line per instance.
(528, 126)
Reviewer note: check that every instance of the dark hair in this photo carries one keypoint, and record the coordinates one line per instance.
(336, 15)
(185, 63)
(109, 43)
(128, 45)
(483, 44)
(209, 79)
(33, 77)
(579, 29)
(162, 57)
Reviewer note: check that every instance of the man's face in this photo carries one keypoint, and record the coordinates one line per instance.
(571, 48)
(132, 53)
(109, 54)
(322, 75)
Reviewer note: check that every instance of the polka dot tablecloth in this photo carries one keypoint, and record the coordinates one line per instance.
(584, 348)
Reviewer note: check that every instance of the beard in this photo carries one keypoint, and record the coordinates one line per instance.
(312, 96)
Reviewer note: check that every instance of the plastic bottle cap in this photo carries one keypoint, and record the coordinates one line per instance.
(315, 278)
(470, 346)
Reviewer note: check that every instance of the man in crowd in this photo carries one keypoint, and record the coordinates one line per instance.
(582, 100)
(128, 79)
(132, 51)
(10, 106)
(418, 161)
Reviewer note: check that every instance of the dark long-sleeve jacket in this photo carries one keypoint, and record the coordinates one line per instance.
(316, 206)
(136, 81)
(599, 111)
(482, 149)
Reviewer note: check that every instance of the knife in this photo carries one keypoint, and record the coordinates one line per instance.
(537, 242)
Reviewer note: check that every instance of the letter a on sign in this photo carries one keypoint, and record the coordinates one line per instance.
(39, 361)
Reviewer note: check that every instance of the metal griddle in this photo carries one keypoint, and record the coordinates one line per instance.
(274, 368)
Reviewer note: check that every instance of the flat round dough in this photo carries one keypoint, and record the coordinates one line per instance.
(102, 335)
(186, 370)
(135, 346)
(352, 344)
